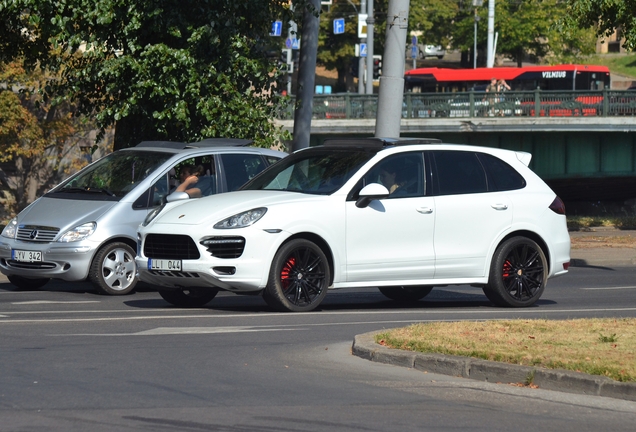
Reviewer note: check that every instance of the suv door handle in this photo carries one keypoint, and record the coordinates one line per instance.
(500, 206)
(425, 210)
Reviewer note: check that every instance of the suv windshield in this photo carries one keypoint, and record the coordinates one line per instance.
(321, 171)
(113, 176)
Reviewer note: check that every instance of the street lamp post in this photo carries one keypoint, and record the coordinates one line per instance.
(476, 4)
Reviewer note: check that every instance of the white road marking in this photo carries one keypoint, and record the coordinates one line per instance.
(159, 331)
(610, 288)
(422, 313)
(37, 302)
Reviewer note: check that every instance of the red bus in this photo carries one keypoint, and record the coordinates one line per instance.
(558, 77)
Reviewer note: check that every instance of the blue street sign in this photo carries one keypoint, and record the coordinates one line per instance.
(295, 43)
(363, 50)
(288, 42)
(338, 26)
(414, 40)
(413, 52)
(277, 28)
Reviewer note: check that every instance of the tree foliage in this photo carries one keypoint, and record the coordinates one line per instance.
(605, 17)
(38, 139)
(166, 69)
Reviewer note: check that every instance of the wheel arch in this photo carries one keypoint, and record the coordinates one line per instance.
(130, 242)
(532, 236)
(321, 243)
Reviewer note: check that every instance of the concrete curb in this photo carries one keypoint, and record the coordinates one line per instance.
(364, 346)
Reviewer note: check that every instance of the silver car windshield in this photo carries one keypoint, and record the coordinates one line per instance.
(320, 172)
(113, 176)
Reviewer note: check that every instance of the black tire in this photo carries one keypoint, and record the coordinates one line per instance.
(299, 277)
(26, 283)
(406, 293)
(189, 298)
(113, 270)
(518, 273)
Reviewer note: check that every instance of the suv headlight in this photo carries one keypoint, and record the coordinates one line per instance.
(242, 220)
(11, 229)
(78, 233)
(153, 214)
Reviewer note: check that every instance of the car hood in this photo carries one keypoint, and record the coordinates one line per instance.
(215, 208)
(63, 213)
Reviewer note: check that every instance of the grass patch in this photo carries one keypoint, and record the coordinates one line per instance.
(604, 346)
(576, 223)
(623, 64)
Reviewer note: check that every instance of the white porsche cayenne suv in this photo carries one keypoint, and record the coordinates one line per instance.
(402, 215)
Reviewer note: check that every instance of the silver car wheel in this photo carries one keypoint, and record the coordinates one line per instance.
(114, 270)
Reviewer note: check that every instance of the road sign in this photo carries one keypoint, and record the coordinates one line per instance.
(295, 43)
(362, 26)
(414, 40)
(414, 51)
(338, 26)
(288, 43)
(363, 50)
(277, 28)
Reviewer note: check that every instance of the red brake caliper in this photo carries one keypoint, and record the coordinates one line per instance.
(507, 268)
(285, 278)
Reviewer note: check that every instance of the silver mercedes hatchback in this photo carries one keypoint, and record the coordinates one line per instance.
(86, 227)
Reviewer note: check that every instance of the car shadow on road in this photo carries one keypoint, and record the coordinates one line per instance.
(341, 301)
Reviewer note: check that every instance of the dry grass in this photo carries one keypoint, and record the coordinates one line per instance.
(625, 241)
(595, 346)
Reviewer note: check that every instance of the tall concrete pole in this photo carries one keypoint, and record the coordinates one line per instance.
(370, 23)
(490, 60)
(306, 76)
(391, 95)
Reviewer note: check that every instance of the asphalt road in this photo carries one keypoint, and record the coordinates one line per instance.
(73, 360)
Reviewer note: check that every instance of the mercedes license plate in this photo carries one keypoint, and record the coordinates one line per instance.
(164, 264)
(26, 256)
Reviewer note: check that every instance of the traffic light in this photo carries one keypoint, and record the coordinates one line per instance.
(377, 67)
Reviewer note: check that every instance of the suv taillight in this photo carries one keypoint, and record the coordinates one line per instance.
(557, 206)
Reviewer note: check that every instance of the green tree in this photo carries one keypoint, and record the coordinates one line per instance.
(39, 140)
(605, 17)
(166, 69)
(526, 28)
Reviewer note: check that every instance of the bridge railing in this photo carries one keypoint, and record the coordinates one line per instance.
(534, 103)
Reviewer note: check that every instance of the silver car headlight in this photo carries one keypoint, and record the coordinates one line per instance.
(78, 233)
(242, 220)
(11, 229)
(153, 214)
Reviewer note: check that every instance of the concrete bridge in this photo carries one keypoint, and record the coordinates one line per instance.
(582, 157)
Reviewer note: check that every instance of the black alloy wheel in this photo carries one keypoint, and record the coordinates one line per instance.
(189, 297)
(299, 277)
(518, 273)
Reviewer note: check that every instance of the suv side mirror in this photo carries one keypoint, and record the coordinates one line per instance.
(370, 192)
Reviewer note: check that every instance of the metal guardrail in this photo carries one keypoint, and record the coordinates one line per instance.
(537, 103)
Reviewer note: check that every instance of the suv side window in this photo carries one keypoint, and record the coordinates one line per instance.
(239, 168)
(402, 174)
(501, 176)
(458, 172)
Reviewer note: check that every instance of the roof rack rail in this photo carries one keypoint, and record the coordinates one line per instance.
(208, 142)
(222, 142)
(162, 144)
(378, 142)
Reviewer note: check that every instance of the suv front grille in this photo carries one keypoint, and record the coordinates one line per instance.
(224, 247)
(170, 246)
(36, 233)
